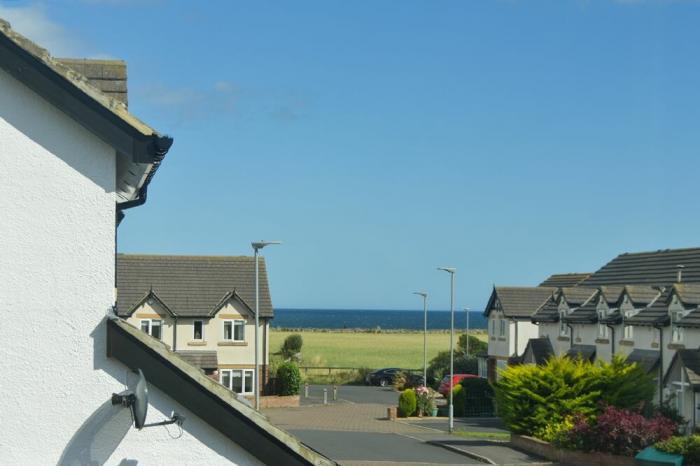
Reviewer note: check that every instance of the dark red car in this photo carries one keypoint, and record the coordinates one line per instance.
(446, 386)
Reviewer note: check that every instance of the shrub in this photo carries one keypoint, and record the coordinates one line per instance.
(292, 346)
(477, 397)
(619, 431)
(557, 432)
(399, 381)
(689, 447)
(440, 366)
(475, 345)
(407, 403)
(458, 400)
(529, 396)
(288, 379)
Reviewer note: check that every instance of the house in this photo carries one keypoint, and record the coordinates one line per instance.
(74, 160)
(510, 328)
(201, 307)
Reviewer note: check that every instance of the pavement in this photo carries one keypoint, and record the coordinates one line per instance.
(354, 430)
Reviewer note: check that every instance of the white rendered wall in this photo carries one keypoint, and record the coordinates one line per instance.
(57, 263)
(526, 330)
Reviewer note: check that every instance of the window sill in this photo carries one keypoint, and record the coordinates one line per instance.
(654, 345)
(626, 342)
(197, 343)
(232, 343)
(560, 338)
(676, 346)
(602, 341)
(501, 338)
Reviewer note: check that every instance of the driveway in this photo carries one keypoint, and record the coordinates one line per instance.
(352, 393)
(354, 431)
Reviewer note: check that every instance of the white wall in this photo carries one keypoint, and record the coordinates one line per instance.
(526, 330)
(57, 199)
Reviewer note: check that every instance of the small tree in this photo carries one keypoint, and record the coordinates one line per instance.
(288, 379)
(407, 402)
(476, 346)
(440, 365)
(292, 346)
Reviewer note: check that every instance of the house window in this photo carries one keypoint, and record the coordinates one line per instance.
(563, 328)
(602, 328)
(503, 328)
(493, 327)
(677, 333)
(153, 327)
(237, 380)
(234, 330)
(198, 330)
(629, 329)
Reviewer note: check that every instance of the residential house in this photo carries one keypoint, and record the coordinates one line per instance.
(510, 328)
(201, 307)
(73, 160)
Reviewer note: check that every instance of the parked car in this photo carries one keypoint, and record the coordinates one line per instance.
(382, 377)
(446, 386)
(414, 380)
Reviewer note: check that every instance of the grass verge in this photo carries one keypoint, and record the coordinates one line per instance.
(484, 435)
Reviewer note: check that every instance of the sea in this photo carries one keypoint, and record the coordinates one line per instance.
(373, 319)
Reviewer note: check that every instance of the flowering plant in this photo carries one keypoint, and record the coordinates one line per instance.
(426, 399)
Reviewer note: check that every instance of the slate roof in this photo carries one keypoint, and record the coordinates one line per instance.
(206, 398)
(190, 285)
(648, 268)
(539, 349)
(565, 279)
(576, 296)
(688, 293)
(690, 360)
(654, 314)
(548, 312)
(586, 314)
(519, 302)
(611, 293)
(202, 359)
(641, 295)
(585, 352)
(646, 358)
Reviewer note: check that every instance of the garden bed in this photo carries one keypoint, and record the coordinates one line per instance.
(570, 458)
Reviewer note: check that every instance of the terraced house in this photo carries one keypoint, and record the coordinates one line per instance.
(202, 308)
(644, 306)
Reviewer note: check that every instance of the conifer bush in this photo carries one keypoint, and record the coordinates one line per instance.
(288, 379)
(530, 397)
(407, 402)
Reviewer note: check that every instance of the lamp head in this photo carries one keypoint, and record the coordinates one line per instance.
(421, 293)
(261, 244)
(448, 269)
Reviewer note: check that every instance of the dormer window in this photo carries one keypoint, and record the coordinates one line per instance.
(153, 327)
(198, 330)
(677, 332)
(602, 328)
(563, 328)
(629, 329)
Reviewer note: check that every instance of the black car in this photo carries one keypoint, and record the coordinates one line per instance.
(382, 377)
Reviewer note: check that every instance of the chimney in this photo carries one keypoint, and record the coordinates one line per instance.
(679, 276)
(109, 76)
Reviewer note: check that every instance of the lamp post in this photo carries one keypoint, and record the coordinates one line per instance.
(451, 271)
(257, 246)
(466, 310)
(425, 334)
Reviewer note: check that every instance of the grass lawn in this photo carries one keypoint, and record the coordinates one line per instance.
(484, 435)
(372, 350)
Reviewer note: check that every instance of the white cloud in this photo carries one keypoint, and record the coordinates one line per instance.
(32, 22)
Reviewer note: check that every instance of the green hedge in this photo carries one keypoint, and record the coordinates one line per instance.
(531, 397)
(288, 379)
(689, 447)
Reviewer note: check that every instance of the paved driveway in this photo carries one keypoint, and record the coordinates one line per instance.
(352, 393)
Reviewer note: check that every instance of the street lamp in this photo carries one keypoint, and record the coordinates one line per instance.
(425, 334)
(257, 246)
(466, 310)
(451, 271)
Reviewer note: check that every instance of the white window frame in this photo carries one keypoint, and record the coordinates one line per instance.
(493, 327)
(563, 328)
(233, 323)
(502, 329)
(602, 328)
(628, 330)
(242, 373)
(676, 332)
(194, 337)
(149, 331)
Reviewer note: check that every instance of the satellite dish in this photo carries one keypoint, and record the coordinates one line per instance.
(140, 406)
(137, 402)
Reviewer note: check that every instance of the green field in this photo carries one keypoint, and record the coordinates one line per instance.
(372, 350)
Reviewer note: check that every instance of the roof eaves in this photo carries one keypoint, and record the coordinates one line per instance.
(209, 400)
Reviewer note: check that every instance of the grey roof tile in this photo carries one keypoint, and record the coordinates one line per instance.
(585, 352)
(690, 360)
(537, 351)
(202, 359)
(189, 285)
(522, 301)
(647, 359)
(565, 279)
(648, 268)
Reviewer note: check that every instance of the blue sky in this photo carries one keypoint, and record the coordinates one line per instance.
(378, 140)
